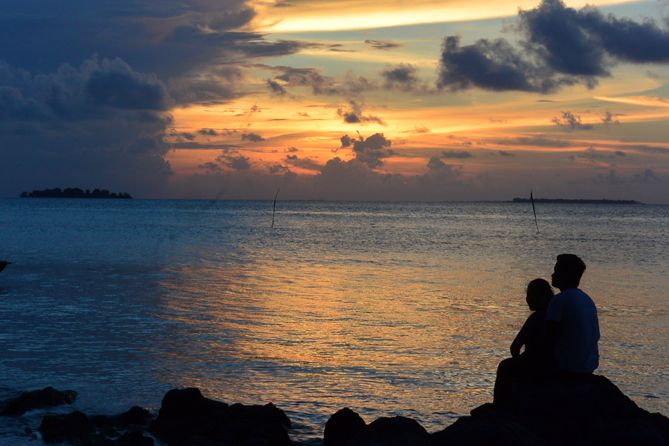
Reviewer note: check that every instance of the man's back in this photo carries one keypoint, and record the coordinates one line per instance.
(578, 331)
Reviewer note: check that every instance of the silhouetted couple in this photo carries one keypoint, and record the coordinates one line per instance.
(560, 336)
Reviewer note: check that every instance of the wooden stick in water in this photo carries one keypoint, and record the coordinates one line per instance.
(534, 210)
(274, 207)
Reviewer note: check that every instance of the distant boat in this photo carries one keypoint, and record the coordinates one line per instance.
(3, 264)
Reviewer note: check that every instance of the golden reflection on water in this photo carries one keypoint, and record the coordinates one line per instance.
(375, 339)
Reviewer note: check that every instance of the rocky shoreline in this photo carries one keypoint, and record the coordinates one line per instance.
(590, 411)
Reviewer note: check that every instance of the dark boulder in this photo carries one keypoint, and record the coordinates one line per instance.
(188, 418)
(74, 427)
(395, 431)
(342, 427)
(37, 399)
(133, 417)
(347, 428)
(578, 411)
(134, 438)
(484, 430)
(267, 414)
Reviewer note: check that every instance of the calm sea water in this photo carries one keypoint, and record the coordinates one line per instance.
(387, 308)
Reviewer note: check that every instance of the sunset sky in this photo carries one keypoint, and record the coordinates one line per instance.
(336, 99)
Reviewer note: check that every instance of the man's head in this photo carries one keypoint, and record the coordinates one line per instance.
(567, 272)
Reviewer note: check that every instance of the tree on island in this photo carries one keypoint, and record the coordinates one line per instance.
(74, 192)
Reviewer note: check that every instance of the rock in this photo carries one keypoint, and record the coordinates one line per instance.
(586, 396)
(583, 411)
(188, 418)
(266, 414)
(134, 438)
(395, 431)
(134, 417)
(79, 429)
(342, 427)
(484, 431)
(74, 427)
(37, 399)
(347, 428)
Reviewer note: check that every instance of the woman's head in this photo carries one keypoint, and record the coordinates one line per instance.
(539, 294)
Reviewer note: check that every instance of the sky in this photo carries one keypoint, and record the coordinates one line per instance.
(446, 100)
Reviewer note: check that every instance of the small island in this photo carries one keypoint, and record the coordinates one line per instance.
(74, 192)
(574, 201)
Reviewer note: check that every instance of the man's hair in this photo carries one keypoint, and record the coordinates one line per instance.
(573, 266)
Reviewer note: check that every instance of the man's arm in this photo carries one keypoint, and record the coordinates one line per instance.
(552, 330)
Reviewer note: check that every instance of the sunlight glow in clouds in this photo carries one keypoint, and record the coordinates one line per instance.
(643, 101)
(337, 15)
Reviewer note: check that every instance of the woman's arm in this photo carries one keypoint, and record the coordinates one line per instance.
(519, 341)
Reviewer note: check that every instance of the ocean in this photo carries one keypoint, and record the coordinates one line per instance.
(386, 308)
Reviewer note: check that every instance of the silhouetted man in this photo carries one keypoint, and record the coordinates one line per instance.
(573, 328)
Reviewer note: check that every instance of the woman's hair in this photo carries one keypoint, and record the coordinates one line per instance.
(539, 293)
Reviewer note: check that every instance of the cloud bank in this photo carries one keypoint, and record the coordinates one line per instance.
(86, 87)
(559, 46)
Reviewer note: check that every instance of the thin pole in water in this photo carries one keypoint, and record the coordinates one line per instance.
(534, 210)
(274, 207)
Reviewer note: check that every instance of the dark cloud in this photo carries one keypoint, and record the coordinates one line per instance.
(570, 121)
(346, 141)
(370, 151)
(585, 41)
(235, 162)
(72, 127)
(593, 154)
(303, 163)
(439, 169)
(276, 87)
(187, 135)
(210, 167)
(350, 85)
(338, 48)
(456, 154)
(402, 77)
(201, 146)
(275, 169)
(252, 137)
(538, 141)
(435, 163)
(210, 89)
(555, 33)
(505, 153)
(610, 118)
(208, 132)
(355, 115)
(177, 37)
(493, 65)
(308, 77)
(115, 84)
(560, 46)
(382, 44)
(292, 150)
